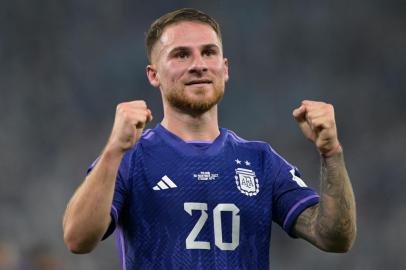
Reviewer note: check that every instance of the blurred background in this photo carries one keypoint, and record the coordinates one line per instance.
(64, 65)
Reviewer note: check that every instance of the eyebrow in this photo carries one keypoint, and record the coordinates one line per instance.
(186, 48)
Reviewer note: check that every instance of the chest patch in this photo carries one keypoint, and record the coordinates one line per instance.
(246, 181)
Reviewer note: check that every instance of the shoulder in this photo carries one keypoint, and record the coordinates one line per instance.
(148, 137)
(259, 145)
(263, 147)
(234, 138)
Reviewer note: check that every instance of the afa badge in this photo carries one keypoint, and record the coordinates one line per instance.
(247, 182)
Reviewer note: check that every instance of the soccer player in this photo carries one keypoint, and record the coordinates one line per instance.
(190, 195)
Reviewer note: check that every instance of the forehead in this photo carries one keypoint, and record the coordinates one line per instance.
(186, 34)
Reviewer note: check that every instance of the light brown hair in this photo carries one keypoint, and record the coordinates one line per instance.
(185, 14)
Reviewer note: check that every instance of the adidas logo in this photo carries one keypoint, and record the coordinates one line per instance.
(165, 183)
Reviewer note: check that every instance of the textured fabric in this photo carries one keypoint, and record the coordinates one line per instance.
(196, 205)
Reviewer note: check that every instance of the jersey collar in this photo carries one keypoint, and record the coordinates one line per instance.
(187, 147)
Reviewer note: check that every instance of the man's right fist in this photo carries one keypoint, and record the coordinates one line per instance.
(130, 120)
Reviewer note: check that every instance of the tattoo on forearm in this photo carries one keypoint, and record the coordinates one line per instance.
(338, 206)
(306, 224)
(332, 221)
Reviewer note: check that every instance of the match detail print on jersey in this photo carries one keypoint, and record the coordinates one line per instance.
(206, 176)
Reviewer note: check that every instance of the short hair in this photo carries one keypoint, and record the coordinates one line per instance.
(185, 14)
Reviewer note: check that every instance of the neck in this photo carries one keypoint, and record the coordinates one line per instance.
(202, 127)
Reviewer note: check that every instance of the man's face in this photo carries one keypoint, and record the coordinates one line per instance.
(188, 67)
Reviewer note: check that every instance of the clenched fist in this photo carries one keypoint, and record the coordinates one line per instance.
(317, 122)
(130, 120)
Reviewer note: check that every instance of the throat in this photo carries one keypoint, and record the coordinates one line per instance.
(191, 127)
(192, 131)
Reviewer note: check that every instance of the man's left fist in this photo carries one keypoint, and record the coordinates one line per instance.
(317, 122)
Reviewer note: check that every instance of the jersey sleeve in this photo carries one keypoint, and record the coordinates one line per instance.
(290, 195)
(120, 192)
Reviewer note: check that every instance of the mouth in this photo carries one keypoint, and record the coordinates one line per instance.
(194, 82)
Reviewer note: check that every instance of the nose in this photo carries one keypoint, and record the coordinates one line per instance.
(198, 65)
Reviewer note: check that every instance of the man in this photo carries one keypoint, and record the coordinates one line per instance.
(190, 195)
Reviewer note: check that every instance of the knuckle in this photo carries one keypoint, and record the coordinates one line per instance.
(140, 103)
(329, 107)
(122, 107)
(124, 116)
(119, 107)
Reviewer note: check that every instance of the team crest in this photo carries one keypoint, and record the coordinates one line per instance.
(246, 181)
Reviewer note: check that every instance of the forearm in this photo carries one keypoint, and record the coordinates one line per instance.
(329, 225)
(87, 215)
(335, 224)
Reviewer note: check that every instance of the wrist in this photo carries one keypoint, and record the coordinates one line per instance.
(113, 151)
(333, 152)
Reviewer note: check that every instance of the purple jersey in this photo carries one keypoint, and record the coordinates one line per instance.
(196, 205)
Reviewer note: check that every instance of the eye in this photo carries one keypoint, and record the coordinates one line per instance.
(181, 55)
(209, 52)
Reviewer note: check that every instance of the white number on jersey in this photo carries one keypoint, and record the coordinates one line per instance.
(191, 242)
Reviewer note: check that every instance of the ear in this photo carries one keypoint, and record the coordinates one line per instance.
(225, 69)
(152, 76)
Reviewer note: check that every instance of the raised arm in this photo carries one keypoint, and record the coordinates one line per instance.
(331, 224)
(87, 215)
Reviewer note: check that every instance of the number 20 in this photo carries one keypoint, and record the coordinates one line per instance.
(191, 242)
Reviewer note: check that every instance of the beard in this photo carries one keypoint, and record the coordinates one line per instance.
(178, 99)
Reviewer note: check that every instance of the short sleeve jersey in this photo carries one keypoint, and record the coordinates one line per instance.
(196, 205)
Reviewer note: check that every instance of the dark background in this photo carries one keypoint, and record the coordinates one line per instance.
(64, 65)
